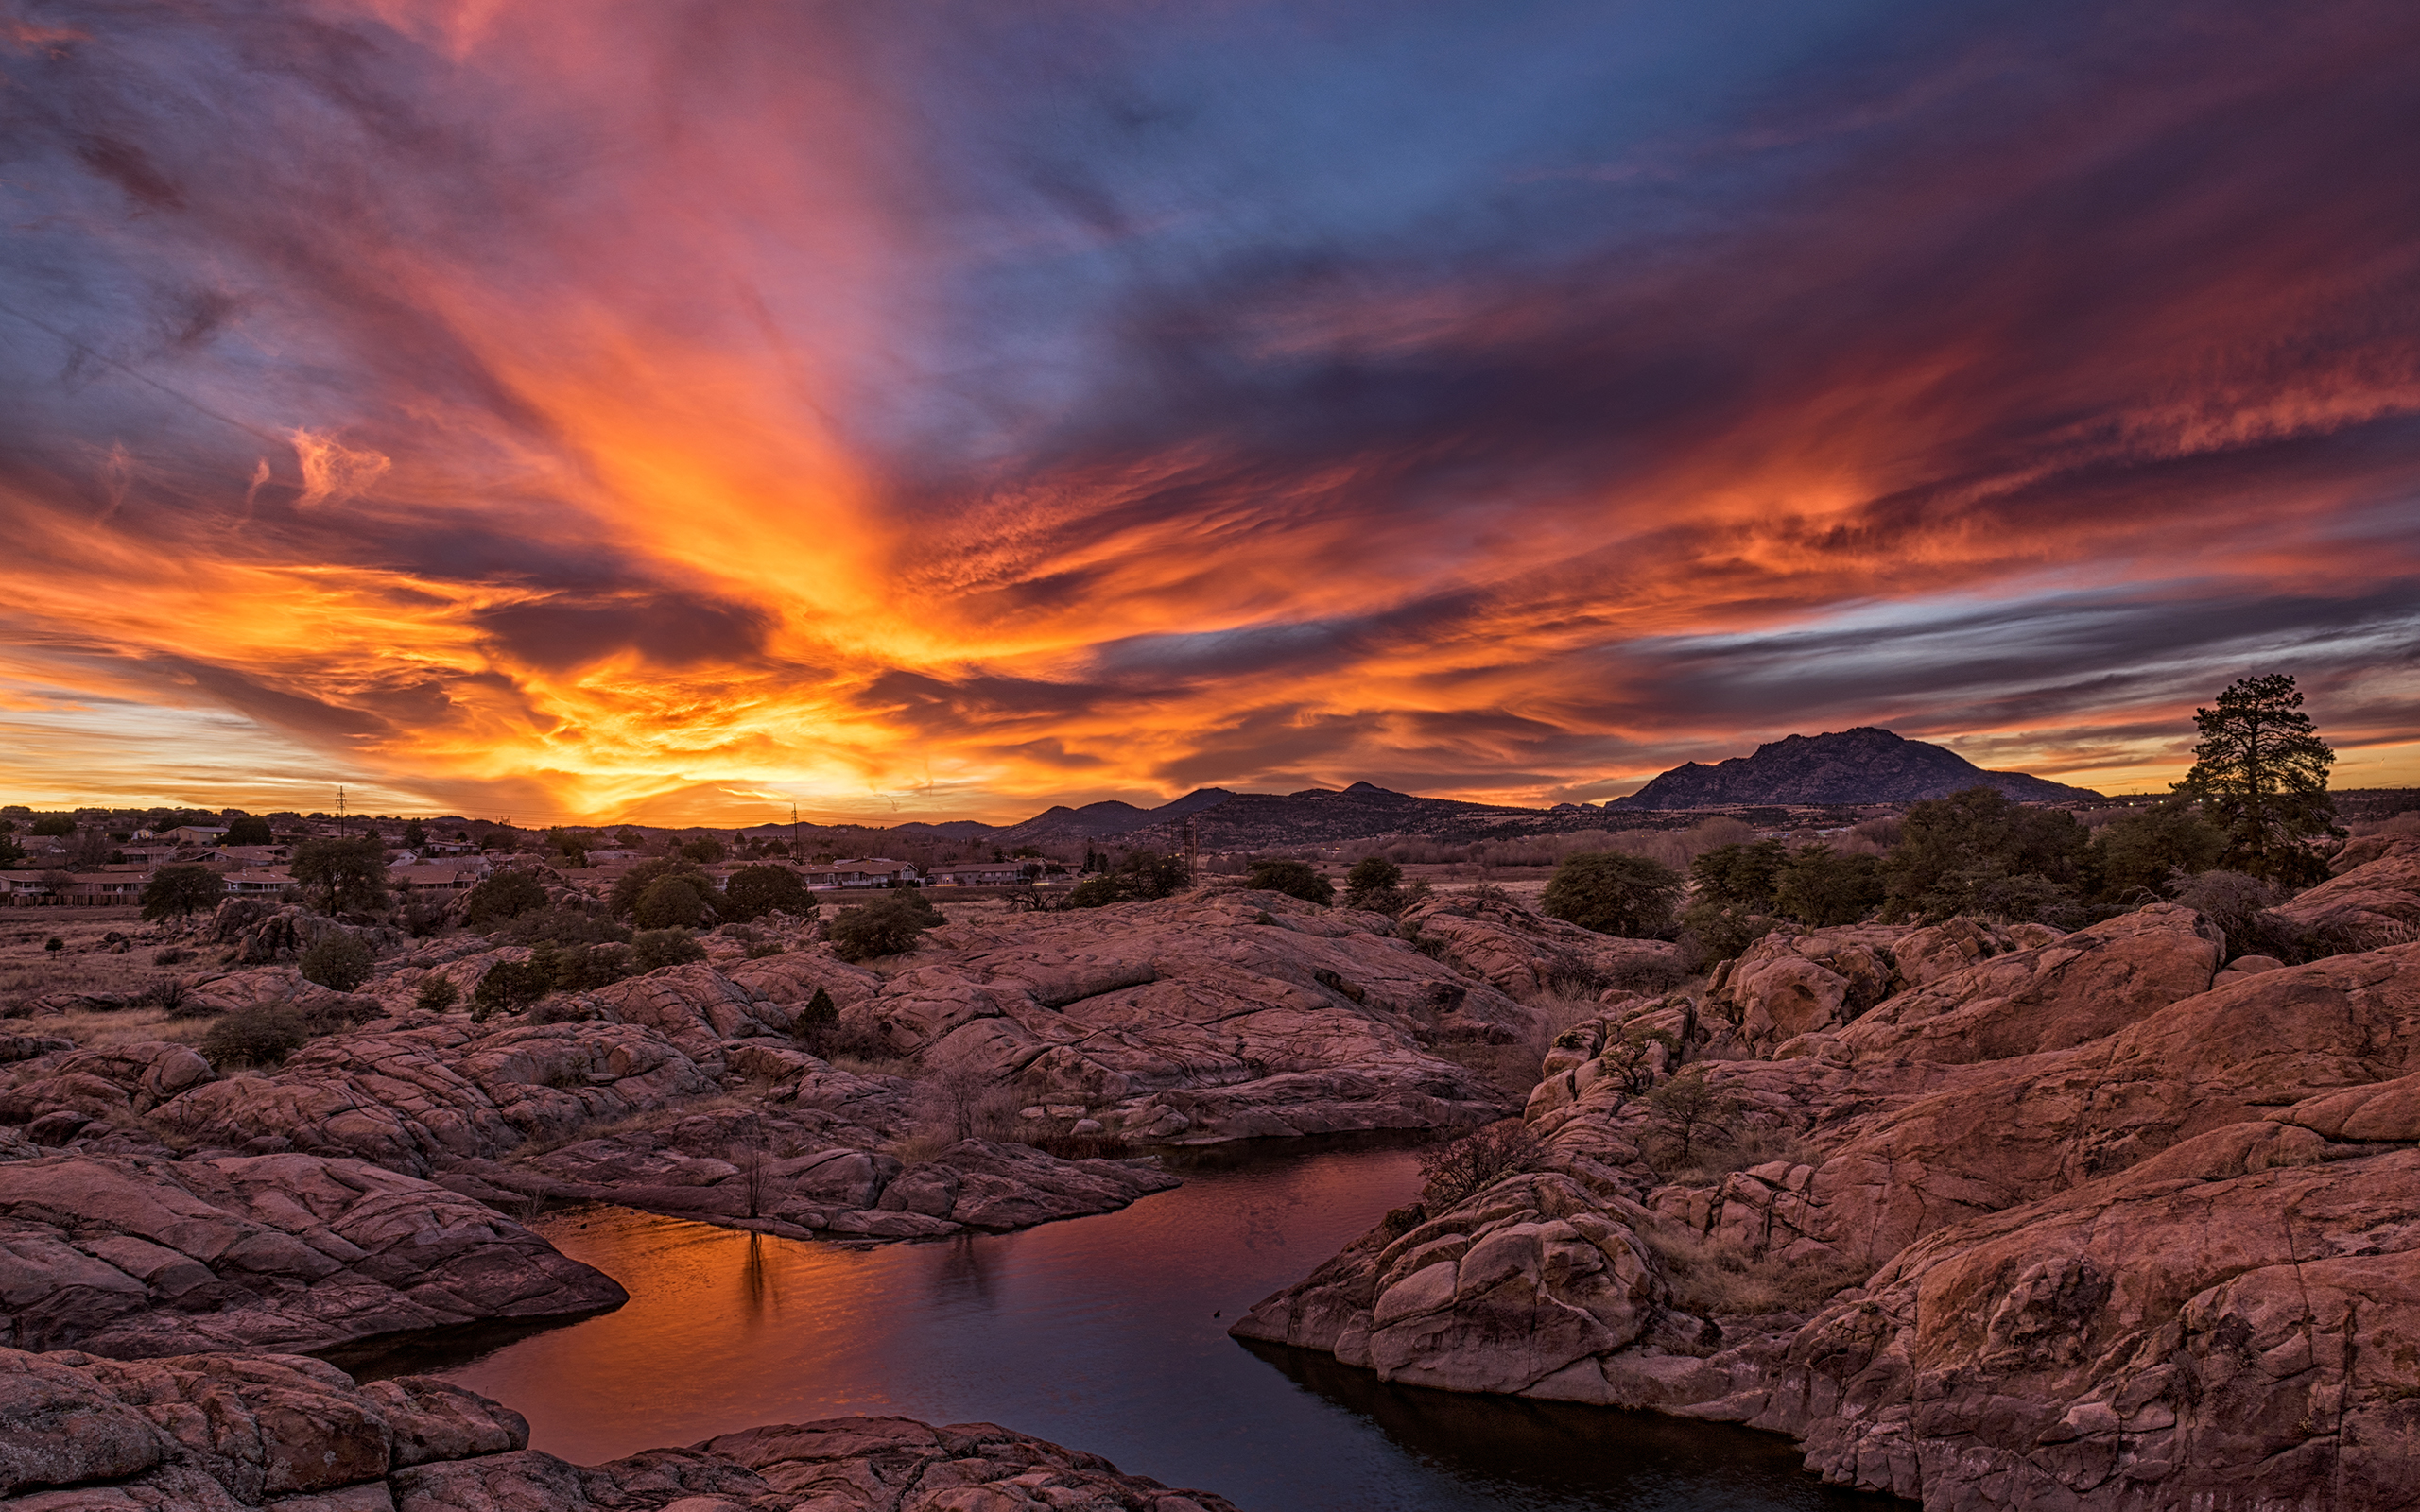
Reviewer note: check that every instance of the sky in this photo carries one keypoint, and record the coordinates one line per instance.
(679, 411)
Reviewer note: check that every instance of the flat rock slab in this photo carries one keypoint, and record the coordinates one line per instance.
(236, 1433)
(135, 1258)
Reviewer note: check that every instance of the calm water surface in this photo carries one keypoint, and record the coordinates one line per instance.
(1107, 1333)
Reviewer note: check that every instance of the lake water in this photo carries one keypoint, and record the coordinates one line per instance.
(1105, 1333)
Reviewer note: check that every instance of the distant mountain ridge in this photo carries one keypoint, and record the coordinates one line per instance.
(1865, 764)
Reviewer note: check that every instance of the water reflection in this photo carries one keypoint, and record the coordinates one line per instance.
(1104, 1333)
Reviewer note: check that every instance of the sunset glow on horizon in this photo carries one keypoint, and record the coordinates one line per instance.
(701, 409)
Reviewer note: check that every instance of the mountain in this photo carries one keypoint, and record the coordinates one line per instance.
(1106, 821)
(1861, 765)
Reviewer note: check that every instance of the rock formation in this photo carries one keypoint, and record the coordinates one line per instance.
(144, 1257)
(2071, 1222)
(207, 1433)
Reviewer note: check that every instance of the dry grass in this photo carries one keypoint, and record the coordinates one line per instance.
(94, 1030)
(1713, 1280)
(1511, 1071)
(1559, 1012)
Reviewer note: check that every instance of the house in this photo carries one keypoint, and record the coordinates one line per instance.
(981, 874)
(194, 834)
(443, 878)
(872, 871)
(264, 882)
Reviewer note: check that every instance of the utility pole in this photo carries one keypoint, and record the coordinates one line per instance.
(1192, 851)
(793, 832)
(340, 811)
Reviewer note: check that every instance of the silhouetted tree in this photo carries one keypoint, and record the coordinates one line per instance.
(182, 892)
(248, 829)
(2260, 771)
(348, 875)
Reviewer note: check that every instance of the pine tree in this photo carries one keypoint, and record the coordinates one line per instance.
(2260, 771)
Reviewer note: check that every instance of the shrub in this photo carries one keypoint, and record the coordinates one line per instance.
(1374, 883)
(422, 918)
(755, 891)
(1295, 879)
(1613, 893)
(1822, 889)
(504, 895)
(1742, 874)
(635, 883)
(437, 994)
(670, 902)
(1711, 933)
(54, 943)
(651, 950)
(2147, 852)
(1150, 874)
(1454, 1171)
(509, 987)
(1962, 854)
(562, 926)
(337, 960)
(1693, 1111)
(887, 926)
(813, 1027)
(581, 967)
(253, 1037)
(1096, 893)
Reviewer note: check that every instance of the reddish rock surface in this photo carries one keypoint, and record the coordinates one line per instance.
(2065, 1225)
(232, 1433)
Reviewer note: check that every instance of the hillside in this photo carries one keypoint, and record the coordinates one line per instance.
(1861, 765)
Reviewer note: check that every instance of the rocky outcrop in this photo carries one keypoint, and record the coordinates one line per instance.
(1522, 952)
(2372, 904)
(136, 1258)
(1201, 1019)
(207, 1433)
(2072, 989)
(2070, 1224)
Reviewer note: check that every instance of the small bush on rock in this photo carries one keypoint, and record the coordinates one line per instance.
(887, 926)
(1694, 1112)
(255, 1037)
(1295, 879)
(671, 902)
(651, 950)
(1096, 893)
(338, 961)
(509, 987)
(437, 994)
(1454, 1171)
(815, 1025)
(755, 891)
(1374, 883)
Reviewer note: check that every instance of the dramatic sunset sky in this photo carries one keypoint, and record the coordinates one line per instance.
(605, 409)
